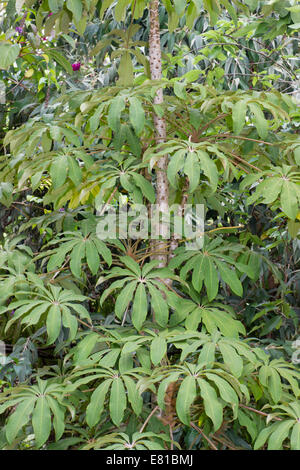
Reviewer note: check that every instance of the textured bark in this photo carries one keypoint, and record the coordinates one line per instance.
(162, 185)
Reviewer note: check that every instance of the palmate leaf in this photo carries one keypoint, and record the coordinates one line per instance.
(274, 434)
(136, 285)
(215, 261)
(279, 186)
(54, 305)
(287, 428)
(273, 374)
(201, 383)
(190, 161)
(78, 247)
(213, 315)
(114, 386)
(37, 404)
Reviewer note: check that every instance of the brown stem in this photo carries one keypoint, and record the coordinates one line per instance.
(259, 412)
(148, 419)
(162, 185)
(212, 445)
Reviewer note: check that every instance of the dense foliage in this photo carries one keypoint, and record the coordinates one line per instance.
(131, 343)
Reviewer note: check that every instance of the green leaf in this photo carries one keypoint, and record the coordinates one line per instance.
(297, 155)
(139, 307)
(176, 164)
(92, 256)
(209, 168)
(125, 70)
(192, 170)
(230, 277)
(19, 418)
(114, 113)
(238, 116)
(179, 90)
(271, 189)
(58, 171)
(279, 435)
(185, 397)
(134, 397)
(263, 436)
(275, 385)
(41, 421)
(231, 359)
(136, 115)
(227, 393)
(117, 402)
(61, 60)
(53, 323)
(207, 354)
(77, 254)
(58, 417)
(96, 405)
(198, 272)
(158, 349)
(69, 321)
(211, 279)
(159, 306)
(145, 186)
(75, 6)
(260, 122)
(132, 265)
(8, 54)
(120, 9)
(295, 437)
(74, 170)
(212, 406)
(103, 250)
(179, 6)
(124, 298)
(288, 199)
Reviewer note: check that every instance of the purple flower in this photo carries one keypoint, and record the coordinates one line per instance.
(19, 29)
(61, 209)
(50, 14)
(76, 66)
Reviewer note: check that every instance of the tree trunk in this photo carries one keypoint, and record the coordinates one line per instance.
(160, 247)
